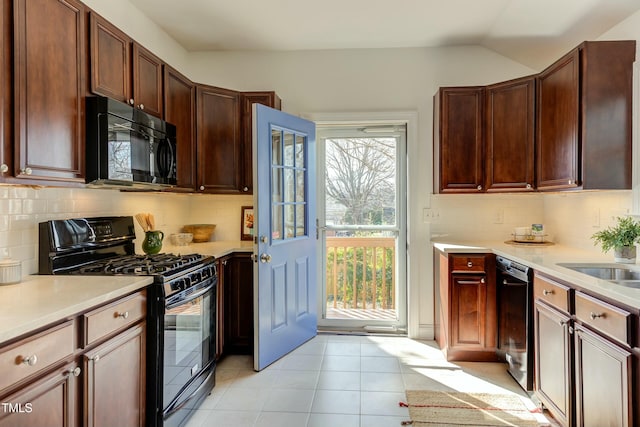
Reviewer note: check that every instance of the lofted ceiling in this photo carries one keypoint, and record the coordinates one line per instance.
(531, 32)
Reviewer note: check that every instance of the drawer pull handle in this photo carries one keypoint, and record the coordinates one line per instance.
(546, 292)
(469, 264)
(123, 315)
(595, 316)
(31, 360)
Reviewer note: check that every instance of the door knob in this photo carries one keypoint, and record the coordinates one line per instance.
(264, 258)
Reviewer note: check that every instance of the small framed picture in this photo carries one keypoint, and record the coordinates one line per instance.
(247, 224)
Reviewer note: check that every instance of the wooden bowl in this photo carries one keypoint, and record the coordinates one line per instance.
(201, 232)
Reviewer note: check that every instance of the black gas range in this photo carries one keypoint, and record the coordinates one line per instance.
(181, 306)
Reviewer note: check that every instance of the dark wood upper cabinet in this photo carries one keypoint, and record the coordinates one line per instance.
(122, 69)
(110, 60)
(270, 99)
(6, 88)
(219, 144)
(180, 110)
(584, 117)
(49, 89)
(510, 131)
(147, 81)
(458, 139)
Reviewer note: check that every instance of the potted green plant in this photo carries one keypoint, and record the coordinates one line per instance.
(622, 238)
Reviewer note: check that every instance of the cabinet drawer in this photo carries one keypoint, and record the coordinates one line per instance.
(468, 263)
(36, 353)
(606, 318)
(114, 317)
(551, 292)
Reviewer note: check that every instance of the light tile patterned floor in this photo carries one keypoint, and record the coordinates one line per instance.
(340, 381)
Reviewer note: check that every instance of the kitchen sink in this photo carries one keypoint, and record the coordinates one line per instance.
(618, 273)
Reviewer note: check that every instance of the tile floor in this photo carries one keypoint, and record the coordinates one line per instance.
(340, 381)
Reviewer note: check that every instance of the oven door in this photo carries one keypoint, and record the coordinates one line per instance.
(189, 340)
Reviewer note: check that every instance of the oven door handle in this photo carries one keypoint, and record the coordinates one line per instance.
(175, 406)
(171, 303)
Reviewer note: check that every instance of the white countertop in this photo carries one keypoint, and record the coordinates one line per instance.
(41, 300)
(546, 259)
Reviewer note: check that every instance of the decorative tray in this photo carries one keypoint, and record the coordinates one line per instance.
(529, 243)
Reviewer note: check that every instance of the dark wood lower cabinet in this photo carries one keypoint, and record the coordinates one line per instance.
(603, 381)
(553, 362)
(48, 401)
(468, 310)
(115, 381)
(238, 305)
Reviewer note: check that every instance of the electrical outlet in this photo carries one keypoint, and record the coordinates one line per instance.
(498, 216)
(426, 215)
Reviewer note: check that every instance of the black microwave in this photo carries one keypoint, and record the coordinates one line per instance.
(126, 147)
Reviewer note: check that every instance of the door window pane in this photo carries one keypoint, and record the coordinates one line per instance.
(276, 222)
(300, 151)
(301, 223)
(276, 147)
(289, 221)
(288, 149)
(289, 186)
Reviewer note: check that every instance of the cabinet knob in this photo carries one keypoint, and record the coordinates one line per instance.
(595, 316)
(546, 292)
(131, 102)
(245, 189)
(123, 315)
(4, 168)
(141, 106)
(30, 360)
(570, 182)
(483, 280)
(528, 186)
(479, 187)
(26, 171)
(77, 371)
(469, 264)
(202, 187)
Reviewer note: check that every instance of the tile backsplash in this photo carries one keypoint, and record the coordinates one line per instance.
(22, 208)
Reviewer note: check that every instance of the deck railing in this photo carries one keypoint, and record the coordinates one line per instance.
(361, 272)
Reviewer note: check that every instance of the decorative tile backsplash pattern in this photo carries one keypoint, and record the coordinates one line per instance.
(23, 208)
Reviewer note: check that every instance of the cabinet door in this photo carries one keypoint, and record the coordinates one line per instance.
(180, 110)
(48, 401)
(603, 382)
(239, 305)
(50, 89)
(147, 81)
(270, 99)
(458, 139)
(557, 127)
(6, 82)
(510, 136)
(219, 144)
(110, 60)
(553, 362)
(115, 381)
(468, 310)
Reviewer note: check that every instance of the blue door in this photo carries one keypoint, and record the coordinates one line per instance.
(285, 228)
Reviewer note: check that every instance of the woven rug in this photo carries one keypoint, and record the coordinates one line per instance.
(440, 408)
